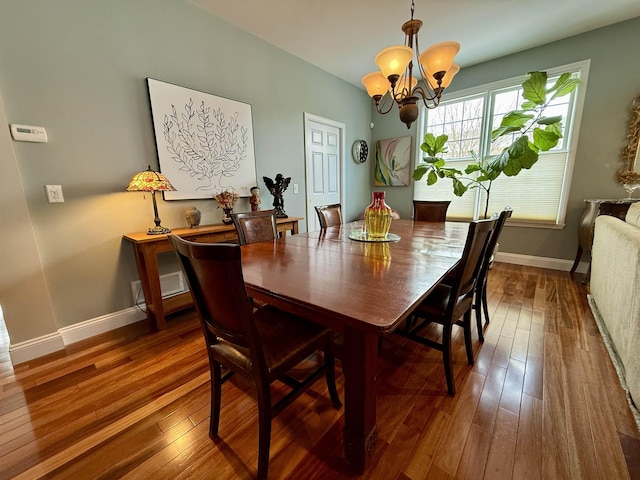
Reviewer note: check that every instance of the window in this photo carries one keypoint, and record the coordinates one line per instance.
(538, 196)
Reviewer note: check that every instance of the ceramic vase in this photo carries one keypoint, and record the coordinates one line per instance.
(377, 217)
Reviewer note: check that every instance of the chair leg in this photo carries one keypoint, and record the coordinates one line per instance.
(477, 306)
(446, 358)
(264, 429)
(485, 305)
(216, 392)
(330, 373)
(466, 325)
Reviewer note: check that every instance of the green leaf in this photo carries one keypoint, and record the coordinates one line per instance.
(440, 142)
(500, 131)
(528, 105)
(432, 178)
(439, 163)
(534, 88)
(433, 145)
(419, 171)
(472, 167)
(564, 85)
(516, 118)
(555, 128)
(459, 188)
(522, 156)
(549, 120)
(544, 140)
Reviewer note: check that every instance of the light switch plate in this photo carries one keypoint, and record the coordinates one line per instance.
(54, 193)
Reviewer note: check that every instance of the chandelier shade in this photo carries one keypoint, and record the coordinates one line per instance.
(394, 83)
(376, 84)
(437, 59)
(394, 60)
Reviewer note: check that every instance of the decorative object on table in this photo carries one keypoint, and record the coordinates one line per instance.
(204, 142)
(192, 215)
(531, 129)
(150, 181)
(360, 151)
(394, 83)
(226, 201)
(628, 173)
(254, 199)
(377, 217)
(393, 162)
(277, 188)
(631, 186)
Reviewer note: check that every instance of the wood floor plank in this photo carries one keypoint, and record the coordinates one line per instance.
(503, 444)
(542, 401)
(528, 455)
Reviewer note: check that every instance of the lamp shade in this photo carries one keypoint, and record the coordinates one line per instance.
(375, 83)
(394, 60)
(149, 181)
(439, 57)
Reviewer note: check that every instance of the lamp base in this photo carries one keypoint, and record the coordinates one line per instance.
(158, 230)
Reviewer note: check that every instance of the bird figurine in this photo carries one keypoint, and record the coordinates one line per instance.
(192, 215)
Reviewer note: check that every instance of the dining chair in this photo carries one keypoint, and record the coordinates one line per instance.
(480, 299)
(430, 210)
(255, 227)
(447, 303)
(329, 215)
(261, 344)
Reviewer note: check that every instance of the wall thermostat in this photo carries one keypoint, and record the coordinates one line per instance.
(28, 133)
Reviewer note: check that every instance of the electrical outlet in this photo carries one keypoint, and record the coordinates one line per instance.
(295, 188)
(54, 193)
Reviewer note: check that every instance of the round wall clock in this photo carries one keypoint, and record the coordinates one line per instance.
(360, 151)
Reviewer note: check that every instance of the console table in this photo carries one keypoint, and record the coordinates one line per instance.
(593, 208)
(147, 247)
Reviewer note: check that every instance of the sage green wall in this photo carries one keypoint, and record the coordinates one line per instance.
(614, 81)
(78, 68)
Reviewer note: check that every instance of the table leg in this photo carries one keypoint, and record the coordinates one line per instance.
(577, 260)
(150, 278)
(359, 364)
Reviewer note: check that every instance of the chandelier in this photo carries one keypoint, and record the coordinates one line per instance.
(395, 84)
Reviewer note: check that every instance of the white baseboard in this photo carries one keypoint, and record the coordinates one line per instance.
(38, 347)
(540, 262)
(98, 325)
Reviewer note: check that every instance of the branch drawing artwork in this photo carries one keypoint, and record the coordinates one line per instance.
(204, 142)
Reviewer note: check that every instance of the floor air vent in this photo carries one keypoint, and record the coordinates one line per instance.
(170, 284)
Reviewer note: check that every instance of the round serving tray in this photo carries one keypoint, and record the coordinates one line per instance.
(363, 237)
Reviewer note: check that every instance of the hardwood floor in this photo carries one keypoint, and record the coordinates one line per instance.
(541, 402)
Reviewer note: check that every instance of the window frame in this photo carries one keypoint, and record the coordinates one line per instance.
(571, 126)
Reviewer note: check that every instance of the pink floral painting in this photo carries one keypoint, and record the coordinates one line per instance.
(393, 162)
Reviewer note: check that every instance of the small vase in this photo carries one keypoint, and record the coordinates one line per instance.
(226, 218)
(377, 217)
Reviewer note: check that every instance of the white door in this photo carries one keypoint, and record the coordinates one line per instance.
(324, 154)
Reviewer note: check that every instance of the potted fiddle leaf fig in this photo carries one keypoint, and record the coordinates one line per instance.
(537, 133)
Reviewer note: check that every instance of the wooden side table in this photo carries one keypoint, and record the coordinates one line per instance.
(147, 247)
(594, 207)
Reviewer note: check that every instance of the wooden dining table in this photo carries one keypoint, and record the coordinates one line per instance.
(362, 289)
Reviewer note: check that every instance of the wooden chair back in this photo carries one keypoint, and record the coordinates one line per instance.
(430, 211)
(329, 215)
(253, 227)
(214, 275)
(466, 273)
